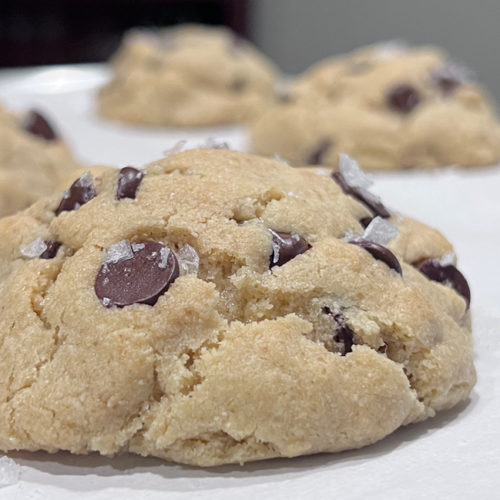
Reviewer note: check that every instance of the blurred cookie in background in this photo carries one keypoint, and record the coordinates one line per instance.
(190, 75)
(388, 105)
(33, 160)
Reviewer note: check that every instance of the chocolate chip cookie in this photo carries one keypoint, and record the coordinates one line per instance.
(187, 76)
(221, 307)
(389, 106)
(33, 160)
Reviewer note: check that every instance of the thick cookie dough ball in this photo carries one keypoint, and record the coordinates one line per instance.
(33, 160)
(388, 106)
(187, 76)
(221, 307)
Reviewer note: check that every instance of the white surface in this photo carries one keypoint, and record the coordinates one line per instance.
(456, 455)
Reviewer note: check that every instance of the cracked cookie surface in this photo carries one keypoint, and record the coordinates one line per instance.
(267, 333)
(390, 107)
(187, 76)
(33, 160)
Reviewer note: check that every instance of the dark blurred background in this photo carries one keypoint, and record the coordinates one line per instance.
(295, 33)
(36, 32)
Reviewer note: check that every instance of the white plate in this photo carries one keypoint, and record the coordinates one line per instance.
(454, 455)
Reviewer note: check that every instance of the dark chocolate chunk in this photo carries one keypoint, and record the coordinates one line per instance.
(128, 182)
(283, 97)
(376, 206)
(236, 44)
(238, 85)
(382, 349)
(447, 274)
(317, 155)
(365, 221)
(343, 334)
(446, 83)
(448, 77)
(139, 278)
(286, 246)
(380, 253)
(361, 66)
(79, 193)
(51, 251)
(403, 98)
(37, 124)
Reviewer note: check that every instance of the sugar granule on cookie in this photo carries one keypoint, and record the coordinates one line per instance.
(220, 307)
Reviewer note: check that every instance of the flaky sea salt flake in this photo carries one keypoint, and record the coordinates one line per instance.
(86, 180)
(390, 48)
(352, 173)
(380, 231)
(279, 158)
(322, 171)
(118, 252)
(137, 246)
(164, 252)
(212, 143)
(448, 259)
(34, 249)
(281, 88)
(176, 148)
(189, 260)
(350, 235)
(9, 472)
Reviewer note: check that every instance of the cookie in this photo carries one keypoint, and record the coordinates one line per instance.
(221, 307)
(33, 160)
(187, 76)
(389, 106)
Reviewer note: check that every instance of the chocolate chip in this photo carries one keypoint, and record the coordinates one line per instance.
(447, 84)
(286, 246)
(36, 124)
(128, 182)
(238, 85)
(51, 251)
(382, 349)
(236, 44)
(80, 192)
(449, 76)
(343, 334)
(376, 206)
(380, 253)
(365, 221)
(283, 97)
(403, 98)
(357, 67)
(447, 274)
(317, 155)
(139, 278)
